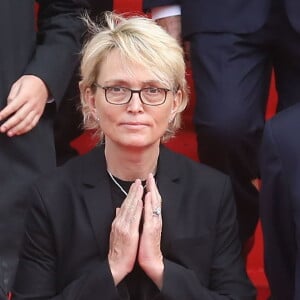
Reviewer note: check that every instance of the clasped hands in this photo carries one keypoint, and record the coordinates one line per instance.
(127, 244)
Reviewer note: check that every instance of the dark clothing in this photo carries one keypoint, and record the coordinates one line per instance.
(68, 120)
(280, 203)
(66, 244)
(51, 55)
(235, 16)
(234, 46)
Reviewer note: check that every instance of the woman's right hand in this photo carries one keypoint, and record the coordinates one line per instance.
(124, 235)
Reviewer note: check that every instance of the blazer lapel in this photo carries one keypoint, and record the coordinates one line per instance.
(97, 197)
(170, 189)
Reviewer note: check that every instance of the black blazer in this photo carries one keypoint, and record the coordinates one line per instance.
(67, 235)
(236, 16)
(280, 203)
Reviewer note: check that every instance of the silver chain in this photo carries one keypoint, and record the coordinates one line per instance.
(117, 183)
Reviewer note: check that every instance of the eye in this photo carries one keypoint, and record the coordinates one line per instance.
(116, 89)
(153, 90)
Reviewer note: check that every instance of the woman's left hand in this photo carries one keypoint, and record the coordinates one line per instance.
(150, 257)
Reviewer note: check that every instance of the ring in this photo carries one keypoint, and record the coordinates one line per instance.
(156, 212)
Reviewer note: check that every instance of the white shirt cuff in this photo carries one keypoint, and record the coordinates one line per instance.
(165, 11)
(50, 100)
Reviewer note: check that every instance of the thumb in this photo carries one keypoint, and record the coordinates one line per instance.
(14, 91)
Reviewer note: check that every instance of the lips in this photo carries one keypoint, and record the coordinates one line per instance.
(134, 124)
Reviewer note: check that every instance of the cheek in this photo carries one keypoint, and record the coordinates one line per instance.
(163, 119)
(107, 118)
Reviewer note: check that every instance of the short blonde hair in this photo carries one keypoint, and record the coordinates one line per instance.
(140, 40)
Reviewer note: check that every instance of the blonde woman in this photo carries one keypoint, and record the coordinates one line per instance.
(131, 219)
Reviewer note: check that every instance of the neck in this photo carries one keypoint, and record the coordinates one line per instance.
(129, 164)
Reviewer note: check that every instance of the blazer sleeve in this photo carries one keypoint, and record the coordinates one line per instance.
(228, 278)
(36, 276)
(58, 44)
(148, 4)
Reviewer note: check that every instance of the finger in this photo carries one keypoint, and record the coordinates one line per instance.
(17, 118)
(127, 203)
(13, 102)
(152, 187)
(29, 122)
(10, 109)
(134, 209)
(131, 208)
(14, 91)
(147, 209)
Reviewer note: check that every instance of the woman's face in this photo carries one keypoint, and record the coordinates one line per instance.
(133, 124)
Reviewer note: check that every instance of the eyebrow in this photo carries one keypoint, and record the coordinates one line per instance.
(122, 82)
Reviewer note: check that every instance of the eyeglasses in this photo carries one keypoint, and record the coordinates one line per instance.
(119, 95)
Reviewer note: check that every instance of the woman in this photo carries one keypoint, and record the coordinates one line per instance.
(131, 219)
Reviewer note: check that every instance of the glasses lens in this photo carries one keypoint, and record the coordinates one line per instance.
(153, 96)
(117, 95)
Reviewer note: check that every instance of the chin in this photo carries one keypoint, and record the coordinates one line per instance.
(137, 142)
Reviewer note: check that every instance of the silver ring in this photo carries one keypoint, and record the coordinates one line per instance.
(156, 212)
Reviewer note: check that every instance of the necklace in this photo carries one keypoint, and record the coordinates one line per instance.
(118, 184)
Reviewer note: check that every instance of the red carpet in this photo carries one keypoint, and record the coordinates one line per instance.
(185, 142)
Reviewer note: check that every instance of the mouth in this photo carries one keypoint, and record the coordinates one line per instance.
(135, 125)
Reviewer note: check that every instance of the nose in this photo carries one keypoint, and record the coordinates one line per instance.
(135, 103)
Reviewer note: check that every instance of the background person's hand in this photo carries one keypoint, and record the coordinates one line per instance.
(150, 257)
(124, 235)
(25, 105)
(172, 25)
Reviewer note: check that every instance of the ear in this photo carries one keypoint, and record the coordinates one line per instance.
(176, 104)
(88, 97)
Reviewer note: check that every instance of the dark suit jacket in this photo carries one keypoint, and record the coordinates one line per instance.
(51, 55)
(96, 7)
(66, 242)
(236, 16)
(280, 203)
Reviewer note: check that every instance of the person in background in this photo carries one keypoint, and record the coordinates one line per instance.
(280, 203)
(233, 47)
(36, 67)
(132, 219)
(68, 120)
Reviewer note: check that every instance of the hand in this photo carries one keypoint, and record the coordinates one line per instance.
(25, 105)
(150, 257)
(172, 25)
(124, 235)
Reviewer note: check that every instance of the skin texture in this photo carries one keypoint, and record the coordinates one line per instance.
(25, 105)
(172, 25)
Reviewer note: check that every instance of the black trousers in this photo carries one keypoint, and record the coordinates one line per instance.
(232, 75)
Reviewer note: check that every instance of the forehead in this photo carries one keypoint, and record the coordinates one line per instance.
(117, 67)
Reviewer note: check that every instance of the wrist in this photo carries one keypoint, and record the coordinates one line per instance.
(116, 273)
(155, 272)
